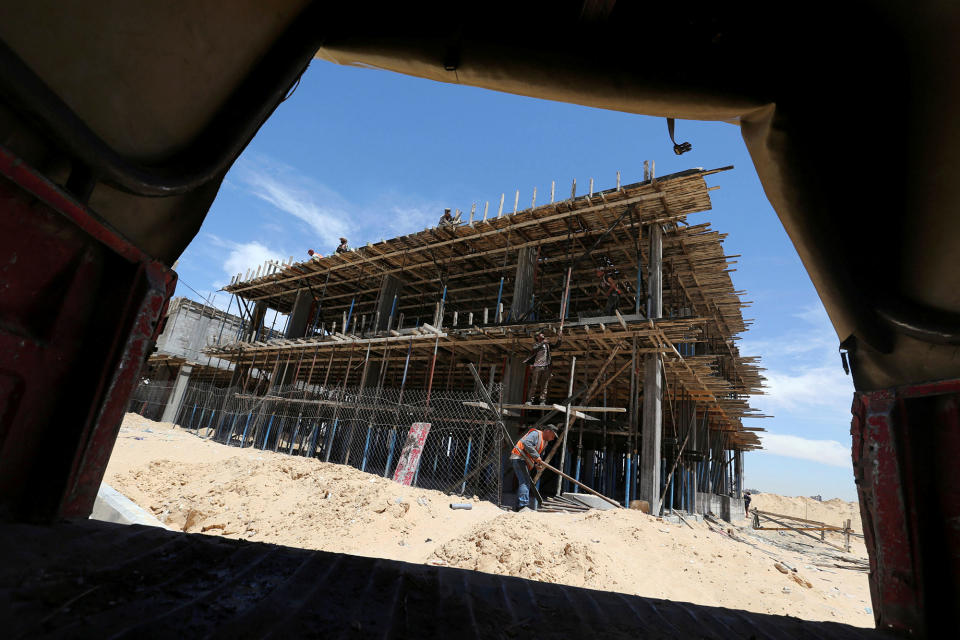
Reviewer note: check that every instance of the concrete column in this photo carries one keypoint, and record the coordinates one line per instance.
(523, 283)
(655, 274)
(256, 322)
(652, 383)
(738, 473)
(515, 374)
(299, 315)
(176, 396)
(390, 286)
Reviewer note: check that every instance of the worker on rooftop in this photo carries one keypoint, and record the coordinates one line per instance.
(447, 220)
(343, 248)
(540, 361)
(314, 255)
(525, 456)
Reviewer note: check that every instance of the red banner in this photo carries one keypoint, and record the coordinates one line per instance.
(410, 455)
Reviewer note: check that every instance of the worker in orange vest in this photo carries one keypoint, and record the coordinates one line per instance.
(525, 456)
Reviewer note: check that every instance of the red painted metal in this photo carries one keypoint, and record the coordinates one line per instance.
(79, 310)
(906, 449)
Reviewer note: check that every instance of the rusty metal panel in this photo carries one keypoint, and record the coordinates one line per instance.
(906, 442)
(78, 313)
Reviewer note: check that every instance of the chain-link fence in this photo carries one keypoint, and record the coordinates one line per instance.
(366, 428)
(150, 398)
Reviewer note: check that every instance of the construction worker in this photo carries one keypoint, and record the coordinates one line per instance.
(540, 361)
(610, 289)
(746, 503)
(525, 456)
(447, 220)
(314, 255)
(343, 248)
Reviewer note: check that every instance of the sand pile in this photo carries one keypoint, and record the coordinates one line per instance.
(632, 553)
(523, 547)
(272, 497)
(200, 486)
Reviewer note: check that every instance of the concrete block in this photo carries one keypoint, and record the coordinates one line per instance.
(590, 500)
(673, 518)
(113, 506)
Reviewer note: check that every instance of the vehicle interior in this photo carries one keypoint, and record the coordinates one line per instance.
(119, 121)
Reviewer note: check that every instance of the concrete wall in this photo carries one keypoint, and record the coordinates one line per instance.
(191, 326)
(724, 507)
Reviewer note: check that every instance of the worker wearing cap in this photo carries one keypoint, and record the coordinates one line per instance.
(540, 361)
(447, 220)
(343, 248)
(526, 455)
(314, 255)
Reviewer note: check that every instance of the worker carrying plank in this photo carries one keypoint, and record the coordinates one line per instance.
(540, 361)
(525, 456)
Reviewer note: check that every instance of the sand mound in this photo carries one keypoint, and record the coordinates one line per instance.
(515, 546)
(294, 501)
(199, 486)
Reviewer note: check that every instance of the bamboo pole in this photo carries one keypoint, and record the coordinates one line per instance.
(566, 425)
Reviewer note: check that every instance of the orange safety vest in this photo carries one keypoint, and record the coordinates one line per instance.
(518, 448)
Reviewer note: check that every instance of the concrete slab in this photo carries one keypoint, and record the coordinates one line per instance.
(673, 518)
(113, 506)
(590, 501)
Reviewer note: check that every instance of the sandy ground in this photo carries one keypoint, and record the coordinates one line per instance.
(199, 486)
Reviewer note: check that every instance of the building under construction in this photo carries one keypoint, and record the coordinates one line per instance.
(650, 392)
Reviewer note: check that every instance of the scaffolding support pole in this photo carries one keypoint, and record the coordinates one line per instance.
(353, 426)
(433, 362)
(566, 421)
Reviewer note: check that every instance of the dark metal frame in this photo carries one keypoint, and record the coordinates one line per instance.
(78, 316)
(905, 442)
(209, 155)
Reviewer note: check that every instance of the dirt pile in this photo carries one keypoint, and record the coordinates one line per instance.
(202, 487)
(517, 546)
(283, 499)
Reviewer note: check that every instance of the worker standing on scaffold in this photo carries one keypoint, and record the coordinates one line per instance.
(610, 289)
(540, 361)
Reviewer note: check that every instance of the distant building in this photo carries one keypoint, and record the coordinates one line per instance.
(189, 327)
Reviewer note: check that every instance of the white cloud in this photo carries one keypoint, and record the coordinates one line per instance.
(798, 344)
(807, 387)
(410, 219)
(321, 208)
(816, 315)
(244, 255)
(816, 339)
(829, 452)
(249, 255)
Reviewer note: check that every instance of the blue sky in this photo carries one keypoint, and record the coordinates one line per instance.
(370, 154)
